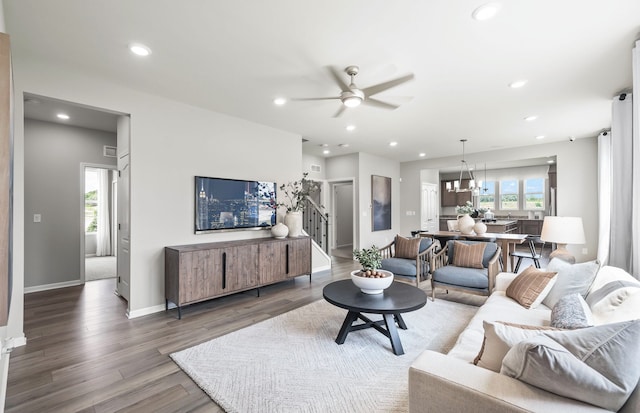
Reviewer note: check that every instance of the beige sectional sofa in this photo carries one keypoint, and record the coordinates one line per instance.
(452, 383)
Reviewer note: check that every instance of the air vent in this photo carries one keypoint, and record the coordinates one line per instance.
(109, 151)
(315, 168)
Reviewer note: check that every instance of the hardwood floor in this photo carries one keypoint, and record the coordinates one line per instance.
(84, 355)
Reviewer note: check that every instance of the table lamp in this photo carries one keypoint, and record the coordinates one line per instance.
(563, 231)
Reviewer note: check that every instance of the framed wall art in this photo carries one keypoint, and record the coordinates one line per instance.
(380, 202)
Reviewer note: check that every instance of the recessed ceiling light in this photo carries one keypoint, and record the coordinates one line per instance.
(62, 116)
(139, 49)
(517, 84)
(324, 145)
(393, 143)
(344, 145)
(486, 11)
(279, 101)
(351, 128)
(422, 154)
(326, 152)
(540, 137)
(531, 118)
(550, 161)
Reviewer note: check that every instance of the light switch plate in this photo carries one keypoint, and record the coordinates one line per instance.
(37, 218)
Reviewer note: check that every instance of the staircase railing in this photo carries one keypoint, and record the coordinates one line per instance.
(316, 224)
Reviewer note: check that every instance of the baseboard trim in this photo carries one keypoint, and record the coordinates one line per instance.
(53, 286)
(145, 311)
(320, 269)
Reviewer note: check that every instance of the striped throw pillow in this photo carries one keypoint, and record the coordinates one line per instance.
(531, 286)
(468, 255)
(407, 247)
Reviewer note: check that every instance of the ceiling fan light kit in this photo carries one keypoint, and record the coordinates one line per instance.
(351, 96)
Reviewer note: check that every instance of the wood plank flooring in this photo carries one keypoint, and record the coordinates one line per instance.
(84, 355)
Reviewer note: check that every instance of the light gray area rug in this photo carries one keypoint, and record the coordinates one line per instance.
(291, 363)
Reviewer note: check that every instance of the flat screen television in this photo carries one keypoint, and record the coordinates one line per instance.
(228, 204)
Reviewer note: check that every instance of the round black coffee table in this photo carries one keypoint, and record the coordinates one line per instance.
(398, 298)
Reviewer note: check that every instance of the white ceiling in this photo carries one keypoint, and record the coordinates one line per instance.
(235, 57)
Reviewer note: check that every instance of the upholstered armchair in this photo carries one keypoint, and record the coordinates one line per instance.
(469, 266)
(409, 257)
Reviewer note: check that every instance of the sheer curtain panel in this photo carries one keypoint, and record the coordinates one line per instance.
(103, 235)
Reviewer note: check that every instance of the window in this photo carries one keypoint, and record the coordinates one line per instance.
(534, 194)
(487, 199)
(509, 194)
(90, 200)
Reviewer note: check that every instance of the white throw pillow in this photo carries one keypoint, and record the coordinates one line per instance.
(572, 278)
(597, 365)
(499, 337)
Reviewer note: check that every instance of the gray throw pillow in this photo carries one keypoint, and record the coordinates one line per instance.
(572, 278)
(596, 365)
(571, 312)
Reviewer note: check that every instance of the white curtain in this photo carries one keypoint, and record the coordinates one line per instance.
(103, 234)
(604, 196)
(618, 186)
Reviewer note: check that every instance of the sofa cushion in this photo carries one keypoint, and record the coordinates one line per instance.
(597, 365)
(468, 255)
(499, 337)
(407, 247)
(571, 312)
(572, 278)
(531, 286)
(489, 250)
(462, 277)
(400, 266)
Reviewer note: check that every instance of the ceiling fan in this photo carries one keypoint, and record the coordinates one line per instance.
(351, 96)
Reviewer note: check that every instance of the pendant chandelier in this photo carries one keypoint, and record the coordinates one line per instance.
(457, 184)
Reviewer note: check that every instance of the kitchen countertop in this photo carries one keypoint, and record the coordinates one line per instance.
(502, 222)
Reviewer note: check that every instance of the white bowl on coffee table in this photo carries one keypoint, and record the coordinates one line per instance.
(372, 285)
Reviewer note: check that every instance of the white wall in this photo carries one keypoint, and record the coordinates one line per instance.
(53, 154)
(171, 142)
(373, 165)
(576, 175)
(308, 160)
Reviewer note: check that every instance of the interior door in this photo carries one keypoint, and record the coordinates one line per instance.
(123, 255)
(429, 214)
(343, 216)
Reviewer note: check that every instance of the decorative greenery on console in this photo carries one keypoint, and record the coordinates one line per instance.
(369, 258)
(296, 192)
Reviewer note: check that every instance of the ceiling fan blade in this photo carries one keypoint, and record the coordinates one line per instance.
(381, 87)
(338, 77)
(332, 98)
(340, 111)
(379, 104)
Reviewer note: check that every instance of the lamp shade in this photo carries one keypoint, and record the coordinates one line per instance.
(563, 230)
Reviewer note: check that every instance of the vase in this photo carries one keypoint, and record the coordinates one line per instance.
(465, 224)
(293, 221)
(279, 230)
(480, 228)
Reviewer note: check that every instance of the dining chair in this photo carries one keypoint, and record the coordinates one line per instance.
(532, 254)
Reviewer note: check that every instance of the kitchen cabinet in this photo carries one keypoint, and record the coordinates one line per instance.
(502, 227)
(530, 226)
(454, 198)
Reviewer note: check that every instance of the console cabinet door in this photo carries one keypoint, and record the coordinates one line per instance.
(240, 270)
(299, 257)
(199, 275)
(284, 259)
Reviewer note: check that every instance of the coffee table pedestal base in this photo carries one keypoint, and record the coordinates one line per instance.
(389, 321)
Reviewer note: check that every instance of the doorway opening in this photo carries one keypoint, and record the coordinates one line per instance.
(343, 228)
(99, 215)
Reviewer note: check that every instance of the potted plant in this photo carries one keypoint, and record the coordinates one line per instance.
(370, 279)
(369, 258)
(295, 193)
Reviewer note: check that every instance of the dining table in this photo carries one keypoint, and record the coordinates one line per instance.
(507, 242)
